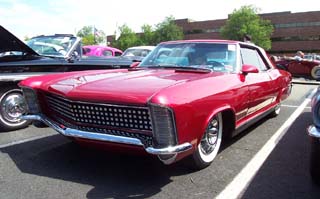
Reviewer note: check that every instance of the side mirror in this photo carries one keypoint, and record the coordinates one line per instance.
(249, 69)
(134, 64)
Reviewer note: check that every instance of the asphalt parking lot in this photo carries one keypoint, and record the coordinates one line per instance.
(39, 163)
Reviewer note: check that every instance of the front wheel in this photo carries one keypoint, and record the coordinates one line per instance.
(12, 106)
(209, 144)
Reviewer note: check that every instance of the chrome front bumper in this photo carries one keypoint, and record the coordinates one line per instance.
(313, 131)
(172, 151)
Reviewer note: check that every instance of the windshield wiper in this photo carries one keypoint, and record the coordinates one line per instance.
(177, 67)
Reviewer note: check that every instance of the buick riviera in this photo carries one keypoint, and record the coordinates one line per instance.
(181, 101)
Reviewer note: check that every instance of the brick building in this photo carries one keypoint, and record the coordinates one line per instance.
(292, 31)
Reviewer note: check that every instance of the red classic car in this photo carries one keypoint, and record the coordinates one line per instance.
(308, 68)
(176, 104)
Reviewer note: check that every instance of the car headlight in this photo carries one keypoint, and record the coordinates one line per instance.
(31, 99)
(163, 126)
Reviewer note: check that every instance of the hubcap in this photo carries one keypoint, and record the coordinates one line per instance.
(12, 107)
(209, 139)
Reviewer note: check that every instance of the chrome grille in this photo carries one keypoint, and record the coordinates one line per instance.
(145, 139)
(117, 116)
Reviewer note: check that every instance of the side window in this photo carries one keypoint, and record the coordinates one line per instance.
(252, 57)
(118, 54)
(107, 53)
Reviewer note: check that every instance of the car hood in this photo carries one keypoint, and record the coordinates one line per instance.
(9, 42)
(119, 86)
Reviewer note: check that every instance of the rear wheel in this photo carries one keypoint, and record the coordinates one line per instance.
(315, 72)
(12, 106)
(209, 145)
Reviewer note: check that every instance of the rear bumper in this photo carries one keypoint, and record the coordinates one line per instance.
(170, 152)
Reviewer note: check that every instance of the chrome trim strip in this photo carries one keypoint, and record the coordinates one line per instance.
(313, 131)
(19, 77)
(171, 150)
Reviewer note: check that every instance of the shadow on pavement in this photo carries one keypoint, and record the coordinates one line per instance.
(111, 175)
(285, 174)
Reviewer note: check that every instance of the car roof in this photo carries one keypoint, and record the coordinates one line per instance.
(100, 46)
(203, 41)
(142, 47)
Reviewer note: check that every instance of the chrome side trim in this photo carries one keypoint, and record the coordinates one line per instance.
(171, 150)
(313, 131)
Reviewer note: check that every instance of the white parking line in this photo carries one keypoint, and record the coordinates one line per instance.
(242, 180)
(293, 106)
(22, 141)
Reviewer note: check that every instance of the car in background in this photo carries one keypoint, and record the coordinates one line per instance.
(308, 68)
(180, 102)
(314, 134)
(98, 50)
(38, 56)
(312, 57)
(137, 53)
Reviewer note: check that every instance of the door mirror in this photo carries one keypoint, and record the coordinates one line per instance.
(249, 69)
(134, 64)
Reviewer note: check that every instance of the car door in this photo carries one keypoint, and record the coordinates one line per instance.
(262, 86)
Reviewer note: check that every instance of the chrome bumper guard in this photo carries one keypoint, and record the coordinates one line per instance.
(171, 150)
(313, 131)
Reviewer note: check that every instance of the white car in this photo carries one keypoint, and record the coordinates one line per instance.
(138, 52)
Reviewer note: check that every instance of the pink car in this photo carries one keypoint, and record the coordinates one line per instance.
(105, 51)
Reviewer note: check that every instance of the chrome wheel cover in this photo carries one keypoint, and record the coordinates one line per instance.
(211, 140)
(13, 106)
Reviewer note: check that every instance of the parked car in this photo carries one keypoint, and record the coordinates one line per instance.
(98, 50)
(39, 55)
(173, 105)
(312, 57)
(137, 53)
(309, 68)
(314, 133)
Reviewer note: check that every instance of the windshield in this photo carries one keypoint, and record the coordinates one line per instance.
(136, 52)
(213, 56)
(56, 46)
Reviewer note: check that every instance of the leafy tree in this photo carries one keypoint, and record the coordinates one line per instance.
(127, 38)
(167, 31)
(26, 38)
(148, 36)
(164, 31)
(246, 21)
(90, 35)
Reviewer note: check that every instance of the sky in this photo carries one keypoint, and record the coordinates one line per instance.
(42, 17)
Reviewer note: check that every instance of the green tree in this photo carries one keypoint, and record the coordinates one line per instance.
(26, 38)
(148, 36)
(168, 30)
(127, 38)
(246, 21)
(90, 35)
